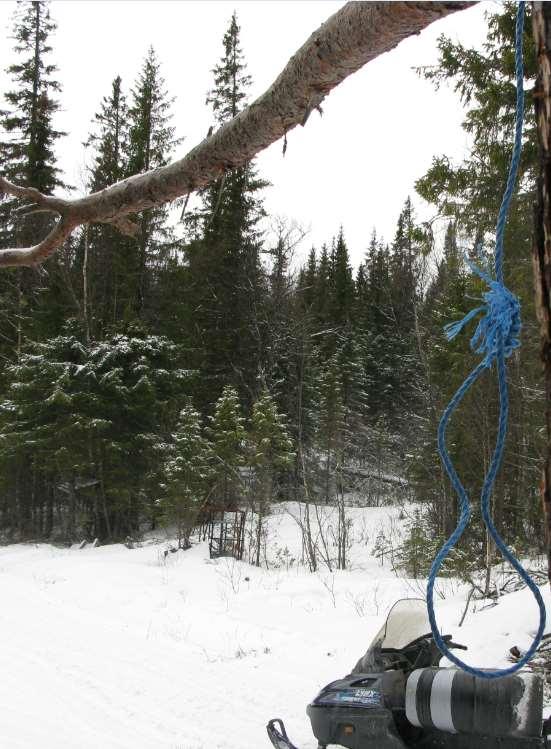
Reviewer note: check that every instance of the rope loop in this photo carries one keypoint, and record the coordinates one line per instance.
(496, 336)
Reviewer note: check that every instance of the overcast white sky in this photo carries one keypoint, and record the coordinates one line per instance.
(355, 165)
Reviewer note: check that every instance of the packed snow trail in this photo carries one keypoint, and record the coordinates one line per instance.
(111, 648)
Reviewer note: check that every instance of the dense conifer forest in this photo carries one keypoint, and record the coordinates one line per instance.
(145, 380)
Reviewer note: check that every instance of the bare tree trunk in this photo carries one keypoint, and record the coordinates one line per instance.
(542, 244)
(85, 286)
(306, 526)
(342, 522)
(307, 540)
(19, 341)
(104, 498)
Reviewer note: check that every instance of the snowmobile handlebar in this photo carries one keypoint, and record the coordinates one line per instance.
(419, 653)
(456, 646)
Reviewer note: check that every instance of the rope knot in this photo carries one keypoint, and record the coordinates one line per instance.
(500, 324)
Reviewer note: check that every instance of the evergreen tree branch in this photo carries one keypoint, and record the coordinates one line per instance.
(355, 35)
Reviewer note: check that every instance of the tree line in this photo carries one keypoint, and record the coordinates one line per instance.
(145, 379)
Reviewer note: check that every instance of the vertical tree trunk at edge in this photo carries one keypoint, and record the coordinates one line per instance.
(542, 233)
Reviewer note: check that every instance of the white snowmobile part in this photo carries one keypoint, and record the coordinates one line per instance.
(452, 701)
(441, 700)
(411, 698)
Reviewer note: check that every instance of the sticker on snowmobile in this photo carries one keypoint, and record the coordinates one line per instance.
(366, 697)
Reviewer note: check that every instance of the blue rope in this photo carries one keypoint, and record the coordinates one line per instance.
(496, 336)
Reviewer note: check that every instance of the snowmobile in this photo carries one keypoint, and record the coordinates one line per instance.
(396, 697)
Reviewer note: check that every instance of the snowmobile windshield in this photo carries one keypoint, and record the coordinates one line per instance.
(407, 621)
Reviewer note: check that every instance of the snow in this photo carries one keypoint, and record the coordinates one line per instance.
(129, 649)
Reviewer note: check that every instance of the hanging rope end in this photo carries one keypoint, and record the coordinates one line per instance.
(453, 329)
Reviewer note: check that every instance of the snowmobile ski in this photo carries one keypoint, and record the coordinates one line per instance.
(278, 735)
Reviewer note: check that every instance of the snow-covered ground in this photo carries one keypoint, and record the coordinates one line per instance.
(111, 648)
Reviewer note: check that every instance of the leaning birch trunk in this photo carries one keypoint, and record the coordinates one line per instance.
(542, 241)
(356, 34)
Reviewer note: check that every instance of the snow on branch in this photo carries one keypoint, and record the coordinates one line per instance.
(356, 34)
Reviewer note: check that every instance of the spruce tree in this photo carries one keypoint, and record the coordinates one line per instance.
(226, 279)
(283, 322)
(105, 267)
(342, 283)
(188, 472)
(151, 141)
(322, 301)
(271, 451)
(331, 432)
(45, 432)
(378, 328)
(406, 291)
(81, 428)
(471, 190)
(295, 376)
(362, 293)
(307, 280)
(227, 434)
(231, 82)
(138, 385)
(110, 139)
(27, 155)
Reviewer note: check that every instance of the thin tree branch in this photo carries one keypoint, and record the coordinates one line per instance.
(56, 205)
(356, 34)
